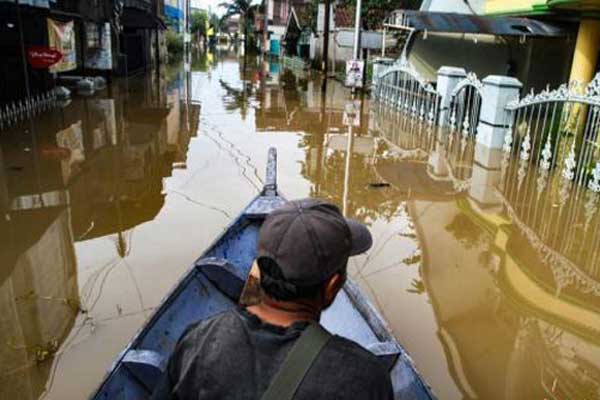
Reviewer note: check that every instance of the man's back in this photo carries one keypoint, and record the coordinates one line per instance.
(235, 356)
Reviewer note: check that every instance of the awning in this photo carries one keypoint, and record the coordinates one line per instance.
(173, 12)
(136, 18)
(474, 24)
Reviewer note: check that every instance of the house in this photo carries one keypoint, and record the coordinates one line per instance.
(299, 38)
(142, 24)
(85, 32)
(278, 14)
(341, 37)
(504, 38)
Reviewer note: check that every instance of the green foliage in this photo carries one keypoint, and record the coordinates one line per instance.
(199, 21)
(174, 43)
(236, 7)
(375, 11)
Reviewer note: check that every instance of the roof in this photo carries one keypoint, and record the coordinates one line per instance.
(467, 23)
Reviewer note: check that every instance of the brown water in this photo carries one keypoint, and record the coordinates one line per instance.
(107, 201)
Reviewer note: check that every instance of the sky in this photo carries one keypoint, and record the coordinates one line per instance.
(205, 4)
(214, 4)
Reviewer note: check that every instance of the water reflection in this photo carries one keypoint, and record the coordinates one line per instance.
(91, 169)
(516, 300)
(486, 273)
(470, 264)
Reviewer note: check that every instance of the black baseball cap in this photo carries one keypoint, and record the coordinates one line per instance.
(310, 240)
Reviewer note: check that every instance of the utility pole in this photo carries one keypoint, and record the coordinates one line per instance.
(22, 45)
(325, 56)
(266, 27)
(356, 49)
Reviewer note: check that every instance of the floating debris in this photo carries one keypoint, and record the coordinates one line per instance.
(377, 185)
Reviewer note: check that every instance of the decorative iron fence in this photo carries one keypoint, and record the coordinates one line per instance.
(563, 228)
(402, 88)
(465, 106)
(20, 110)
(295, 63)
(558, 131)
(549, 179)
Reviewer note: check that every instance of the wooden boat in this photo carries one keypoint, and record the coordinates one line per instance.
(214, 284)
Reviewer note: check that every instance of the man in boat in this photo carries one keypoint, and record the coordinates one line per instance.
(264, 351)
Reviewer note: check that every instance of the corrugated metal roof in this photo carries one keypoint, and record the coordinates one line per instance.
(466, 23)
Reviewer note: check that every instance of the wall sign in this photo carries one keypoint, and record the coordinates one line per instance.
(41, 57)
(61, 36)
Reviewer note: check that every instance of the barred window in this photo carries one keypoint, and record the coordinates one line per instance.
(92, 34)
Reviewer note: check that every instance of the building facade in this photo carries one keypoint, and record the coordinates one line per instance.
(95, 38)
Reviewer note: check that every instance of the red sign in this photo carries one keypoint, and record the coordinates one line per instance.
(43, 57)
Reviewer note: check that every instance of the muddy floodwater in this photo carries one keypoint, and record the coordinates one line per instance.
(490, 278)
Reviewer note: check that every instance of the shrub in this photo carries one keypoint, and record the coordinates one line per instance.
(174, 43)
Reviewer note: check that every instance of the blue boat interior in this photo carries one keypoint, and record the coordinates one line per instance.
(214, 284)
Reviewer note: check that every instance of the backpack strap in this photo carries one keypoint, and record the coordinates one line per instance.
(297, 363)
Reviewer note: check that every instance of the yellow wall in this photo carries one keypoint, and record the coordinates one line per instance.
(585, 58)
(512, 6)
(529, 7)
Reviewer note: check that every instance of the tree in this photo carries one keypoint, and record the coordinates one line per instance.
(199, 21)
(375, 11)
(245, 10)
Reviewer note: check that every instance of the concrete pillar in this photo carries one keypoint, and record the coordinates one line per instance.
(497, 92)
(586, 51)
(447, 79)
(438, 161)
(487, 173)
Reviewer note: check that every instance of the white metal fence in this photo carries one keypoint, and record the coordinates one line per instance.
(402, 88)
(557, 131)
(12, 113)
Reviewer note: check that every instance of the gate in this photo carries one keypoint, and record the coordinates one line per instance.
(465, 106)
(402, 88)
(557, 132)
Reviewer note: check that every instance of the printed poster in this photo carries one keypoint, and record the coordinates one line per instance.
(100, 57)
(61, 36)
(354, 73)
(71, 139)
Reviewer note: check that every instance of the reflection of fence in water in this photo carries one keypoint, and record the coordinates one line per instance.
(404, 131)
(551, 172)
(21, 110)
(550, 180)
(551, 211)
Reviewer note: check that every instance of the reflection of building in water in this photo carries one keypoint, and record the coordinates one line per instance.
(38, 277)
(295, 106)
(92, 169)
(121, 183)
(513, 278)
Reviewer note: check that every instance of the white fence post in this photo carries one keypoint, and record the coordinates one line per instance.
(448, 78)
(497, 92)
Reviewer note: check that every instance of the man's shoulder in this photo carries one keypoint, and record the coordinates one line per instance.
(350, 353)
(345, 370)
(217, 321)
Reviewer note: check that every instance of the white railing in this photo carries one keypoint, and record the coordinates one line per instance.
(557, 131)
(465, 106)
(14, 112)
(402, 88)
